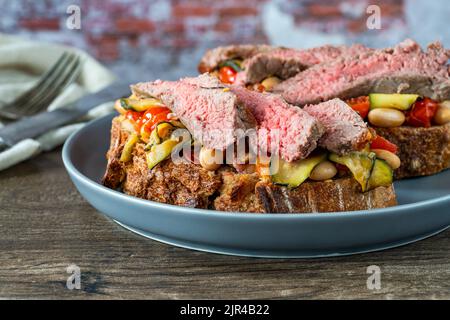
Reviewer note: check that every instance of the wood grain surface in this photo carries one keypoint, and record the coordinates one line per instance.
(45, 226)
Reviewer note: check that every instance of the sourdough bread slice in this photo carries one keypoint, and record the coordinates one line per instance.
(422, 151)
(188, 184)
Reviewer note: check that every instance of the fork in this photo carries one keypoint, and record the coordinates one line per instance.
(64, 72)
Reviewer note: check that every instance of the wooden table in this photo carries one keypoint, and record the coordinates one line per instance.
(45, 226)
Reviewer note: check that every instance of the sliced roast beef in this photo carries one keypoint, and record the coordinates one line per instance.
(212, 115)
(405, 68)
(261, 61)
(214, 57)
(282, 128)
(286, 63)
(345, 130)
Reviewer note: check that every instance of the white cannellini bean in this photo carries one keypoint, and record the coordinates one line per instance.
(386, 118)
(323, 171)
(208, 159)
(442, 115)
(391, 158)
(270, 82)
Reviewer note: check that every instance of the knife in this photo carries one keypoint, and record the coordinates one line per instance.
(41, 123)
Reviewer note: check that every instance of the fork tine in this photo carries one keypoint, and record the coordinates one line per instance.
(71, 74)
(36, 89)
(51, 89)
(46, 87)
(67, 76)
(13, 110)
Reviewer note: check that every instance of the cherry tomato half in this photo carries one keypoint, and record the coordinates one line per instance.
(360, 105)
(227, 75)
(422, 112)
(148, 118)
(152, 117)
(382, 143)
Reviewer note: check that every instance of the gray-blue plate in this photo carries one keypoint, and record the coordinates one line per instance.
(424, 210)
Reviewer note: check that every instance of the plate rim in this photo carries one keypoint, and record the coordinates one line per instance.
(70, 167)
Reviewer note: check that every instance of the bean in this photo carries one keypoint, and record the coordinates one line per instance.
(270, 82)
(442, 115)
(391, 158)
(208, 159)
(323, 171)
(386, 118)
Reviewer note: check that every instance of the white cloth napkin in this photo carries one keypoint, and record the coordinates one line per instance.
(22, 63)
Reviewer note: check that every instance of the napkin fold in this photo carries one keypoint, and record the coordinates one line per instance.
(22, 62)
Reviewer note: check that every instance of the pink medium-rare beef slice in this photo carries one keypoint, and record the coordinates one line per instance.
(285, 63)
(282, 128)
(212, 115)
(405, 68)
(345, 130)
(213, 57)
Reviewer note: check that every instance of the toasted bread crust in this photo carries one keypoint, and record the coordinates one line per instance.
(188, 184)
(422, 151)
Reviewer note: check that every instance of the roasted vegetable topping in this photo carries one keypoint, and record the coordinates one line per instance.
(270, 82)
(128, 148)
(235, 64)
(382, 175)
(139, 105)
(386, 118)
(381, 143)
(360, 105)
(359, 163)
(160, 152)
(422, 113)
(227, 75)
(394, 101)
(293, 174)
(442, 115)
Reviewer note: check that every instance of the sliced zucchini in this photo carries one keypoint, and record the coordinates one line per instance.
(160, 152)
(159, 134)
(359, 163)
(293, 174)
(382, 175)
(394, 100)
(139, 104)
(233, 63)
(128, 148)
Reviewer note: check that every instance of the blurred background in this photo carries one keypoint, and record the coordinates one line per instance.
(144, 40)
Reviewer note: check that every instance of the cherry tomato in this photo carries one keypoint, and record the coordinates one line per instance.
(148, 118)
(421, 113)
(360, 105)
(227, 74)
(153, 117)
(135, 118)
(382, 143)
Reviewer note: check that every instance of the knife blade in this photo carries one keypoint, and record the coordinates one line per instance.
(40, 123)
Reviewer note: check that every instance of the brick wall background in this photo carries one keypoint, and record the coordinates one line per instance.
(142, 40)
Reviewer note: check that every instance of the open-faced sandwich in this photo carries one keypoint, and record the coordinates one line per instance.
(198, 142)
(403, 91)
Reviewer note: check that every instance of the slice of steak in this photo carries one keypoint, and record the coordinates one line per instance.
(403, 69)
(286, 63)
(213, 57)
(261, 61)
(212, 114)
(345, 130)
(282, 128)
